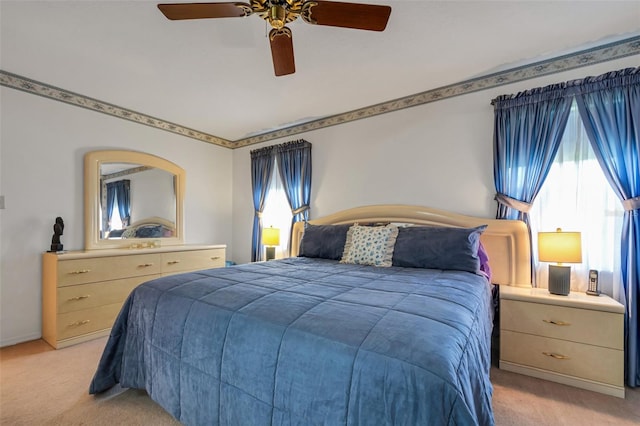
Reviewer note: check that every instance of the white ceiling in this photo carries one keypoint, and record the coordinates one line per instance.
(216, 75)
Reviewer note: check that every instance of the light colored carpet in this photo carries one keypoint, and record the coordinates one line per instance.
(526, 401)
(42, 386)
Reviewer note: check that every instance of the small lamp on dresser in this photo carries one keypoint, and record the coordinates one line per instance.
(271, 239)
(560, 247)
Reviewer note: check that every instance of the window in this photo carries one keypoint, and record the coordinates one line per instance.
(116, 220)
(277, 212)
(576, 196)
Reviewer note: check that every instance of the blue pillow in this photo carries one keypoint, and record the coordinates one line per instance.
(149, 231)
(438, 248)
(324, 241)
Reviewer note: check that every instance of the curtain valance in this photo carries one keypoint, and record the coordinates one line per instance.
(283, 147)
(292, 145)
(532, 96)
(609, 80)
(262, 152)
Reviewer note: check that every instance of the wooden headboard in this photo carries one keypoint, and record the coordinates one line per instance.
(506, 241)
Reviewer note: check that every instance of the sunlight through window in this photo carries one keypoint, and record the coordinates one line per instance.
(577, 197)
(277, 212)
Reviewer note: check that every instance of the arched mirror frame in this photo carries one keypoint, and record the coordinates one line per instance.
(92, 163)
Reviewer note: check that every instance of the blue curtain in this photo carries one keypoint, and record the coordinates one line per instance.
(528, 128)
(609, 106)
(294, 164)
(262, 161)
(119, 190)
(123, 194)
(111, 197)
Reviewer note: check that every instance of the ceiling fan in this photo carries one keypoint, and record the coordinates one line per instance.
(280, 12)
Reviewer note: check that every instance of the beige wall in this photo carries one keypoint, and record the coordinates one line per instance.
(41, 173)
(438, 155)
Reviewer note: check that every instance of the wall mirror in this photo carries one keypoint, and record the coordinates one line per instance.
(132, 200)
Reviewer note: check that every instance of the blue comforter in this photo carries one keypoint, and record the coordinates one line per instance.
(308, 342)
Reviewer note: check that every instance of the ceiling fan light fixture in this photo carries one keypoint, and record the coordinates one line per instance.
(277, 16)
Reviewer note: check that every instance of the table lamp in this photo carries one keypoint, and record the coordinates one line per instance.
(560, 247)
(271, 239)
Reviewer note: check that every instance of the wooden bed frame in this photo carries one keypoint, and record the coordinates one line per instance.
(506, 241)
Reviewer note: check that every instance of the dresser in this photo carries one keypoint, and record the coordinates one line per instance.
(576, 340)
(83, 291)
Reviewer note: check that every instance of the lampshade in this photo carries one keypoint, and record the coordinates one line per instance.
(271, 236)
(560, 247)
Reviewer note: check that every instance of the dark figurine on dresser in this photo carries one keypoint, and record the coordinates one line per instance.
(58, 228)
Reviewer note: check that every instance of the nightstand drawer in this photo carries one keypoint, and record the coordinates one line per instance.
(85, 296)
(577, 325)
(569, 358)
(80, 271)
(192, 260)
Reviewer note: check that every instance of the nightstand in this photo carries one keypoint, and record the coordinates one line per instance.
(577, 340)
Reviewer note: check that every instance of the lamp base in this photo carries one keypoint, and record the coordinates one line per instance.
(270, 253)
(559, 280)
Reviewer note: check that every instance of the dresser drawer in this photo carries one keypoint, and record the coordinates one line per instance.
(83, 291)
(569, 358)
(96, 269)
(194, 260)
(85, 296)
(559, 322)
(76, 323)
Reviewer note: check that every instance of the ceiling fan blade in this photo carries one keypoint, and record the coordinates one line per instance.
(177, 11)
(346, 15)
(282, 51)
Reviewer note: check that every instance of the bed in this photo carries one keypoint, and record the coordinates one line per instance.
(327, 337)
(152, 227)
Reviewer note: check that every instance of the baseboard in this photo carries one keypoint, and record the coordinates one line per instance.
(21, 339)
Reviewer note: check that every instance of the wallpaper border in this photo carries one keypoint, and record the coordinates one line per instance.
(602, 53)
(583, 58)
(42, 89)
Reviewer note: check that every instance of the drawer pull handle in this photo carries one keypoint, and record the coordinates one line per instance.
(86, 296)
(78, 323)
(215, 258)
(555, 356)
(173, 262)
(556, 322)
(145, 265)
(80, 271)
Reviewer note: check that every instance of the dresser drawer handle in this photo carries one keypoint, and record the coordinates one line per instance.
(78, 323)
(145, 265)
(215, 258)
(556, 322)
(555, 356)
(173, 262)
(80, 271)
(86, 296)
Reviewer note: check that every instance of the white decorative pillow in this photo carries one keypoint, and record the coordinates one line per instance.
(370, 245)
